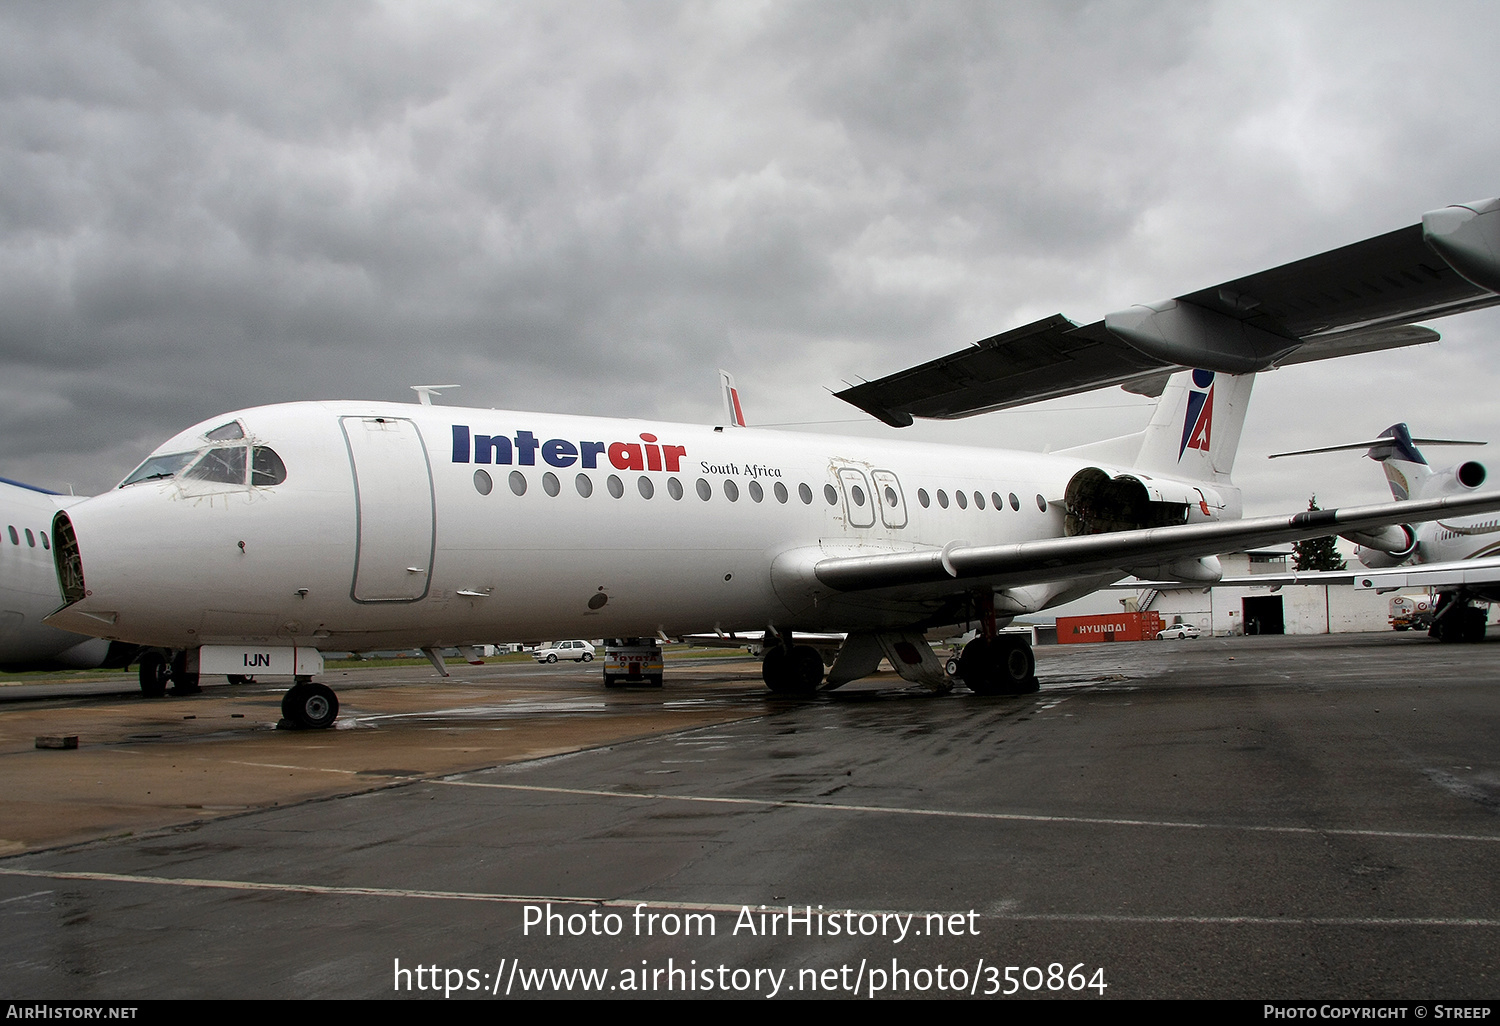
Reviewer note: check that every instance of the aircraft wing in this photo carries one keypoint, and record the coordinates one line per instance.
(1054, 559)
(1477, 575)
(1358, 298)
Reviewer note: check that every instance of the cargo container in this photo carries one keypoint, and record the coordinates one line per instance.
(1077, 630)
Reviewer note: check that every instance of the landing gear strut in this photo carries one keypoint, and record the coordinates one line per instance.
(792, 669)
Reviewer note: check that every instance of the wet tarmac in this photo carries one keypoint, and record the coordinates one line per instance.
(1255, 818)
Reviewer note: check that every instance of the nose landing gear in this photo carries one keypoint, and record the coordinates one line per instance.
(310, 706)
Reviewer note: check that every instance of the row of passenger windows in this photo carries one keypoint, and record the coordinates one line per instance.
(962, 498)
(15, 537)
(485, 484)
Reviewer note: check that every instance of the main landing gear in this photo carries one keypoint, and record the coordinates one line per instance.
(1002, 665)
(1456, 620)
(310, 706)
(159, 667)
(792, 669)
(995, 663)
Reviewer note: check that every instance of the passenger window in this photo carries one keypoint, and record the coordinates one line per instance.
(518, 482)
(805, 494)
(923, 497)
(483, 483)
(550, 484)
(45, 543)
(890, 496)
(15, 539)
(858, 495)
(1015, 503)
(780, 491)
(1041, 504)
(962, 499)
(756, 491)
(704, 491)
(646, 488)
(30, 538)
(584, 485)
(942, 498)
(831, 494)
(674, 488)
(999, 502)
(615, 485)
(979, 500)
(221, 466)
(731, 490)
(266, 467)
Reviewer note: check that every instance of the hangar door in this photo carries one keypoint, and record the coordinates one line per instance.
(1263, 615)
(394, 515)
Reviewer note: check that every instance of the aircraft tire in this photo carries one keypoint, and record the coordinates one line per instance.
(311, 706)
(1004, 666)
(798, 672)
(952, 667)
(775, 670)
(154, 674)
(807, 669)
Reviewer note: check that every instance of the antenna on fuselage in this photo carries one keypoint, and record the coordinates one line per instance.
(426, 392)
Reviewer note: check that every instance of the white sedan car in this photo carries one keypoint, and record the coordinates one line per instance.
(1178, 630)
(578, 651)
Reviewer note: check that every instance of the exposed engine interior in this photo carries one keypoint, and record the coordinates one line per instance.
(1099, 504)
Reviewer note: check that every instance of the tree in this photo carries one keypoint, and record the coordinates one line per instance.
(1317, 553)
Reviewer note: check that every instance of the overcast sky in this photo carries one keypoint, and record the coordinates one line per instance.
(588, 207)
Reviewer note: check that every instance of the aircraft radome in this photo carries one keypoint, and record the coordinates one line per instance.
(254, 541)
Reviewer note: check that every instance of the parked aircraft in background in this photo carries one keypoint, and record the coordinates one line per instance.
(254, 541)
(1458, 557)
(28, 589)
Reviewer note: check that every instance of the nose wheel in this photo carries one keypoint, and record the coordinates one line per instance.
(310, 706)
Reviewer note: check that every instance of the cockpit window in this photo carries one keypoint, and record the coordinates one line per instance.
(226, 466)
(266, 467)
(158, 467)
(225, 432)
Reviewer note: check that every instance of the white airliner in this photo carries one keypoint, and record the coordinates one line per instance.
(252, 542)
(1458, 557)
(28, 588)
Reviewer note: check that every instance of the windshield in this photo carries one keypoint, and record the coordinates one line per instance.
(157, 467)
(221, 465)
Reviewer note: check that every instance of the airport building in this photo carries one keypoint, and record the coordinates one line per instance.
(1232, 609)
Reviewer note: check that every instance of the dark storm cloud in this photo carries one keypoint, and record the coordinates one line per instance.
(587, 206)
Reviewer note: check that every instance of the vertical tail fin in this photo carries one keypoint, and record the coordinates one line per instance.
(735, 416)
(1195, 432)
(1406, 469)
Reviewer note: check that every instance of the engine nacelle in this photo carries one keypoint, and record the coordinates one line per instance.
(1397, 541)
(1097, 503)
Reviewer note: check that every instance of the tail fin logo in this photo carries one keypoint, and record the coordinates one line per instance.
(1197, 425)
